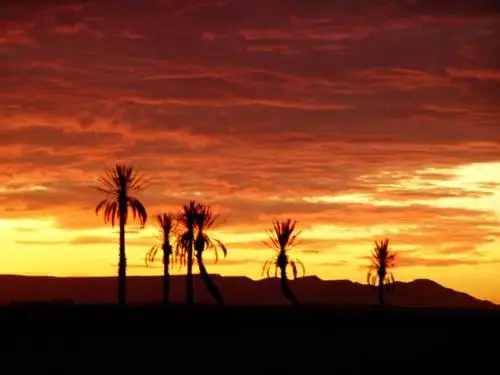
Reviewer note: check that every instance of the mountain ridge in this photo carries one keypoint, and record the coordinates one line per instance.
(237, 290)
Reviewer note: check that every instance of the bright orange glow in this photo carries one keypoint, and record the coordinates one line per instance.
(359, 129)
(334, 248)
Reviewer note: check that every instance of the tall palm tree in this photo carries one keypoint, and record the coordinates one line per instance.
(185, 243)
(166, 226)
(282, 238)
(379, 276)
(205, 221)
(118, 183)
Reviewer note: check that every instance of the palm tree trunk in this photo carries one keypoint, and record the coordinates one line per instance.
(285, 289)
(122, 262)
(209, 283)
(189, 278)
(381, 297)
(166, 277)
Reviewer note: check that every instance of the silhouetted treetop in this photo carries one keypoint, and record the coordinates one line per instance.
(205, 221)
(282, 238)
(117, 183)
(379, 275)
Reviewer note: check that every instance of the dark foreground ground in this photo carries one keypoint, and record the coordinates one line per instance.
(349, 338)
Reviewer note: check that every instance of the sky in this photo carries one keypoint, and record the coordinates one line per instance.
(361, 120)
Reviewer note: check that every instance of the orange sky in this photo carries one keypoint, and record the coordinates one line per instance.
(360, 121)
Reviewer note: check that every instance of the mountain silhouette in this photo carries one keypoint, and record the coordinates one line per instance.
(311, 290)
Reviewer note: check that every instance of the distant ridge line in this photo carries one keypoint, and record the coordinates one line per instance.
(237, 290)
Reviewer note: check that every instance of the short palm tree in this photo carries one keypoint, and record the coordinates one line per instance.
(205, 221)
(185, 243)
(379, 275)
(282, 238)
(118, 183)
(166, 227)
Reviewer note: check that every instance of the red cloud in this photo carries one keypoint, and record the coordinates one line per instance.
(254, 106)
(16, 33)
(403, 79)
(131, 35)
(478, 73)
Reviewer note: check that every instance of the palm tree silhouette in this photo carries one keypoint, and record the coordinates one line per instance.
(282, 238)
(205, 220)
(187, 219)
(117, 183)
(166, 225)
(379, 276)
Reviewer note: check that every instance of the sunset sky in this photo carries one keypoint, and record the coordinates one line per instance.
(361, 119)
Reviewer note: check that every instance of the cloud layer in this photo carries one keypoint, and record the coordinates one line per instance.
(358, 119)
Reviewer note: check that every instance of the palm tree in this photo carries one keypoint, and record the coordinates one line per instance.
(117, 183)
(166, 226)
(205, 220)
(282, 238)
(383, 259)
(187, 219)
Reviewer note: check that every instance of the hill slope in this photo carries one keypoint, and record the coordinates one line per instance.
(236, 290)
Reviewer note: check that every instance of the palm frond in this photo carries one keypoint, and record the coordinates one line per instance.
(382, 260)
(151, 255)
(205, 220)
(138, 210)
(117, 183)
(294, 269)
(100, 206)
(268, 267)
(166, 224)
(110, 212)
(182, 244)
(282, 237)
(372, 279)
(297, 265)
(187, 216)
